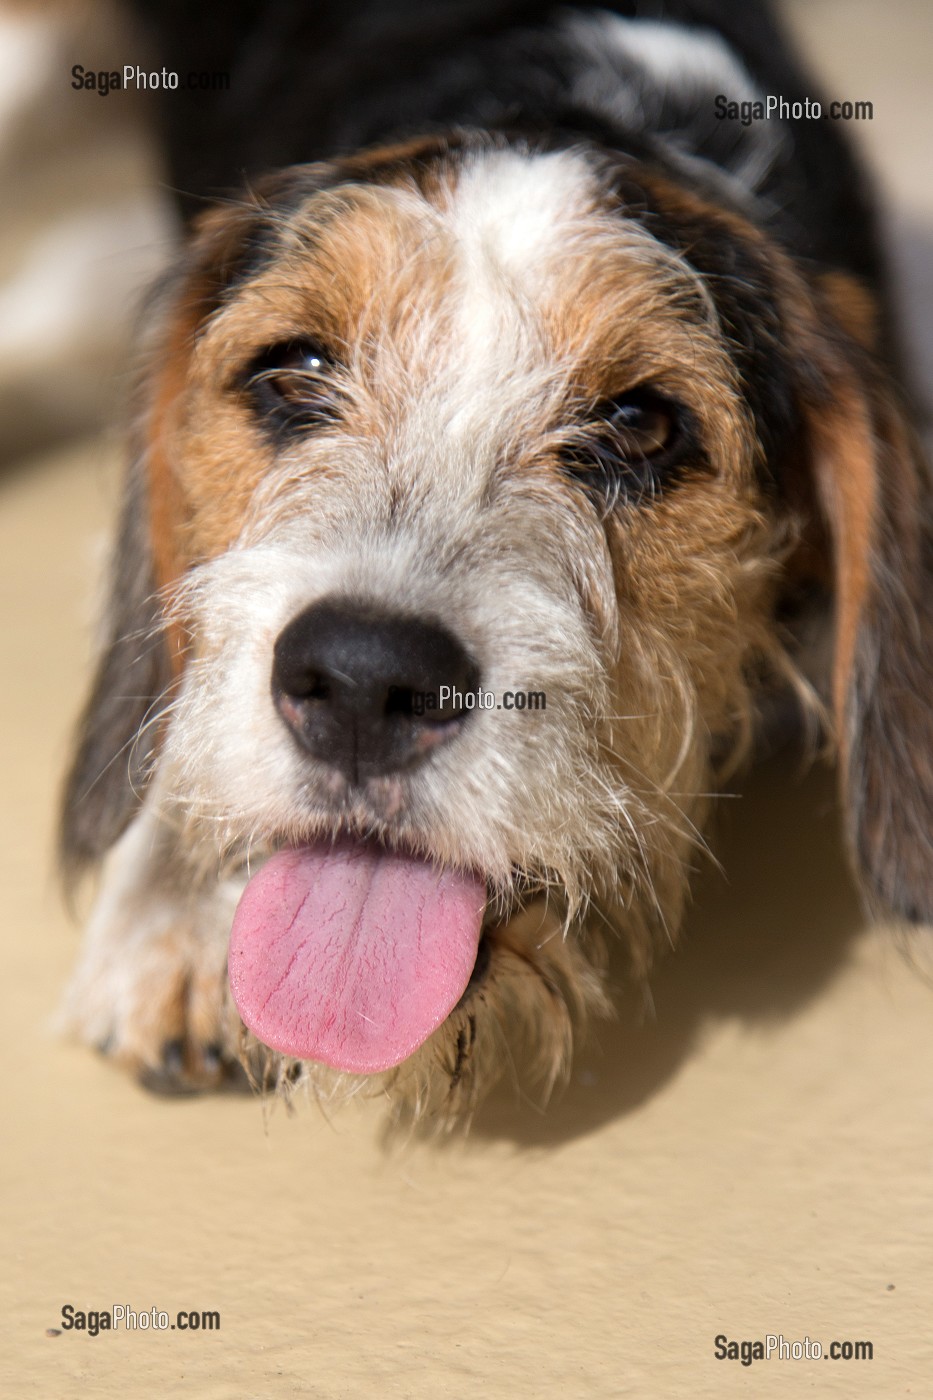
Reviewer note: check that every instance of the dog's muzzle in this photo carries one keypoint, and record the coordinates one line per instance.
(348, 951)
(369, 692)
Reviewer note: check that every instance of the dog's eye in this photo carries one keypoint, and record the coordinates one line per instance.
(631, 445)
(293, 383)
(641, 424)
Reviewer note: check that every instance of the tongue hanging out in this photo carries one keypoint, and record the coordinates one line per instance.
(352, 955)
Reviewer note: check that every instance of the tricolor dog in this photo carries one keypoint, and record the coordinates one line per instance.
(495, 362)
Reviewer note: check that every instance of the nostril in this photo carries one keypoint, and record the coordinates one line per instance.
(318, 688)
(443, 704)
(400, 701)
(456, 705)
(304, 687)
(296, 671)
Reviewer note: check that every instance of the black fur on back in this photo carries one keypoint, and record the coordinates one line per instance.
(311, 81)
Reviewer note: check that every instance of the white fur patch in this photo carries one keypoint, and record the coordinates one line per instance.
(515, 211)
(511, 218)
(675, 55)
(675, 66)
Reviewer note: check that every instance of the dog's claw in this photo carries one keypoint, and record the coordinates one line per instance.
(173, 1059)
(187, 1069)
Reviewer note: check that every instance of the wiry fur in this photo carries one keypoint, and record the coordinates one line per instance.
(485, 294)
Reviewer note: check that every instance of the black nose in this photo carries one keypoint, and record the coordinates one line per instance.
(367, 691)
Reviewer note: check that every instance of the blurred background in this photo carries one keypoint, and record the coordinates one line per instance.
(84, 222)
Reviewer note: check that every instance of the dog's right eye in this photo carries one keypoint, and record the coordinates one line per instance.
(292, 384)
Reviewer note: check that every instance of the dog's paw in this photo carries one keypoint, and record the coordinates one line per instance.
(151, 993)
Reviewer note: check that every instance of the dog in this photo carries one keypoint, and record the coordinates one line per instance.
(512, 367)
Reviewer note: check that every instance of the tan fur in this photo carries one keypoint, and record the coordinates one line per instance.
(845, 474)
(465, 369)
(854, 307)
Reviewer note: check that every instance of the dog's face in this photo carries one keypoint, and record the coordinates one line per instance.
(443, 422)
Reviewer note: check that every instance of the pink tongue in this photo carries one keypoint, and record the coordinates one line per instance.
(352, 955)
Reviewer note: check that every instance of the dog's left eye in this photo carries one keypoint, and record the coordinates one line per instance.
(631, 444)
(642, 425)
(293, 384)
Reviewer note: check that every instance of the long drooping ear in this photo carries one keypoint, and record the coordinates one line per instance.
(142, 654)
(837, 446)
(116, 740)
(873, 490)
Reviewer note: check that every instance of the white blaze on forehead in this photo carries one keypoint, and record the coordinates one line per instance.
(513, 219)
(514, 212)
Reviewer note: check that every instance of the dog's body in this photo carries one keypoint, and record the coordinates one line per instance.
(565, 385)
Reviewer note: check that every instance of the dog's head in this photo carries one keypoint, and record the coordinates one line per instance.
(445, 424)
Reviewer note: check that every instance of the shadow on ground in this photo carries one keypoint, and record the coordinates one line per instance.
(766, 935)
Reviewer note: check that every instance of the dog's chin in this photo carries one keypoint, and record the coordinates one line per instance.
(516, 1000)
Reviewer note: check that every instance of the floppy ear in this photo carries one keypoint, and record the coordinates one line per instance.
(873, 490)
(142, 654)
(808, 357)
(115, 746)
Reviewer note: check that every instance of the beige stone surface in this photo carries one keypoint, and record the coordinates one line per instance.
(753, 1158)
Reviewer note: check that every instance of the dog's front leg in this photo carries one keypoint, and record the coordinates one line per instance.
(150, 988)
